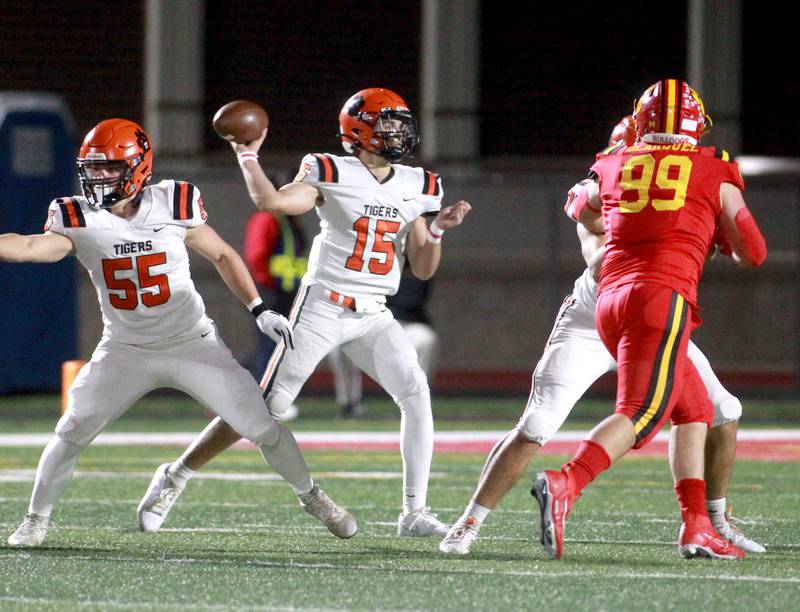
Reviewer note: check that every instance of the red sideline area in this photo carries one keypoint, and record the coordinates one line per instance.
(517, 382)
(762, 444)
(773, 450)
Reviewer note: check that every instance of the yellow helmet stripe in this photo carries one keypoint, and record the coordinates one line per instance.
(671, 120)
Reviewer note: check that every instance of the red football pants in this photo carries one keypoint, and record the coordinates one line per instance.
(646, 327)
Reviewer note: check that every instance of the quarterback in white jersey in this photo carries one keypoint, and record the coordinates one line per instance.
(132, 240)
(372, 216)
(574, 358)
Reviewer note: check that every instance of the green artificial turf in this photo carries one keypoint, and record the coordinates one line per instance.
(246, 544)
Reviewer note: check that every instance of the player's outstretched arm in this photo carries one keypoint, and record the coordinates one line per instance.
(37, 248)
(233, 271)
(293, 199)
(205, 240)
(424, 244)
(739, 228)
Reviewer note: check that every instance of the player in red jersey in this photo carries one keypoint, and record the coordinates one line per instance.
(659, 203)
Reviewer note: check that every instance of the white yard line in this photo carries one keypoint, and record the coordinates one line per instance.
(28, 475)
(582, 574)
(73, 603)
(357, 437)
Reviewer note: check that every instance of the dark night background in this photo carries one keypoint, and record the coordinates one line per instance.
(553, 79)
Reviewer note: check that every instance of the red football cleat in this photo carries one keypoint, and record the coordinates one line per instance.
(550, 490)
(698, 538)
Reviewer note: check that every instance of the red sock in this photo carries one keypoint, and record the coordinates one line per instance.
(589, 462)
(691, 497)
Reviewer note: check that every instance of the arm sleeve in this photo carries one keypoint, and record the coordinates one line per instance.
(733, 175)
(309, 171)
(433, 206)
(55, 220)
(432, 193)
(752, 239)
(187, 204)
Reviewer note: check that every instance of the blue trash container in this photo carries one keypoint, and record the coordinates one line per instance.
(38, 326)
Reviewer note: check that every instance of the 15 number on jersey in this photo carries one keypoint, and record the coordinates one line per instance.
(381, 257)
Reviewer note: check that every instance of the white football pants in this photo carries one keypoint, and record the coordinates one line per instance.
(376, 344)
(575, 357)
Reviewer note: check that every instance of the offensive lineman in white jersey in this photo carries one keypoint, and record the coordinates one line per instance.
(574, 358)
(371, 213)
(132, 240)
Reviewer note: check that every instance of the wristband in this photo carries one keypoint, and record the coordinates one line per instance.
(256, 307)
(245, 156)
(434, 233)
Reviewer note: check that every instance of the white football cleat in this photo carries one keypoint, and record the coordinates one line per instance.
(338, 520)
(420, 523)
(158, 500)
(31, 532)
(461, 537)
(728, 530)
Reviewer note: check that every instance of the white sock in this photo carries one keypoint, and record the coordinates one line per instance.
(53, 475)
(716, 509)
(179, 473)
(416, 448)
(478, 512)
(285, 458)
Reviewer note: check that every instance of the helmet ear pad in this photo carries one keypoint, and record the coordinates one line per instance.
(349, 144)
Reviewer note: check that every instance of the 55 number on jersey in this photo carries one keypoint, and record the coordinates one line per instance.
(130, 296)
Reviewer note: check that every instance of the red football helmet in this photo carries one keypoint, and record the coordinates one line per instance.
(670, 110)
(378, 120)
(115, 162)
(625, 131)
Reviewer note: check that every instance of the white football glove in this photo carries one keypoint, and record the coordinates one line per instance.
(276, 326)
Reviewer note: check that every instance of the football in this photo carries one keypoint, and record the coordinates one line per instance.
(240, 121)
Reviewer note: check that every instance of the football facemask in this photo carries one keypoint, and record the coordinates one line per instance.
(102, 182)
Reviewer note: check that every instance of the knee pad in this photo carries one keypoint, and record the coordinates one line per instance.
(727, 411)
(416, 383)
(418, 403)
(535, 426)
(79, 431)
(268, 436)
(278, 403)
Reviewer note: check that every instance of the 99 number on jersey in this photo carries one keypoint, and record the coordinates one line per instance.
(641, 173)
(381, 257)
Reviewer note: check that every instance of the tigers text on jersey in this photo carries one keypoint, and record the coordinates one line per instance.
(139, 266)
(364, 223)
(661, 204)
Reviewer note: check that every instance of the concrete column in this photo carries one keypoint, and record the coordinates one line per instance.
(174, 75)
(450, 79)
(715, 67)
